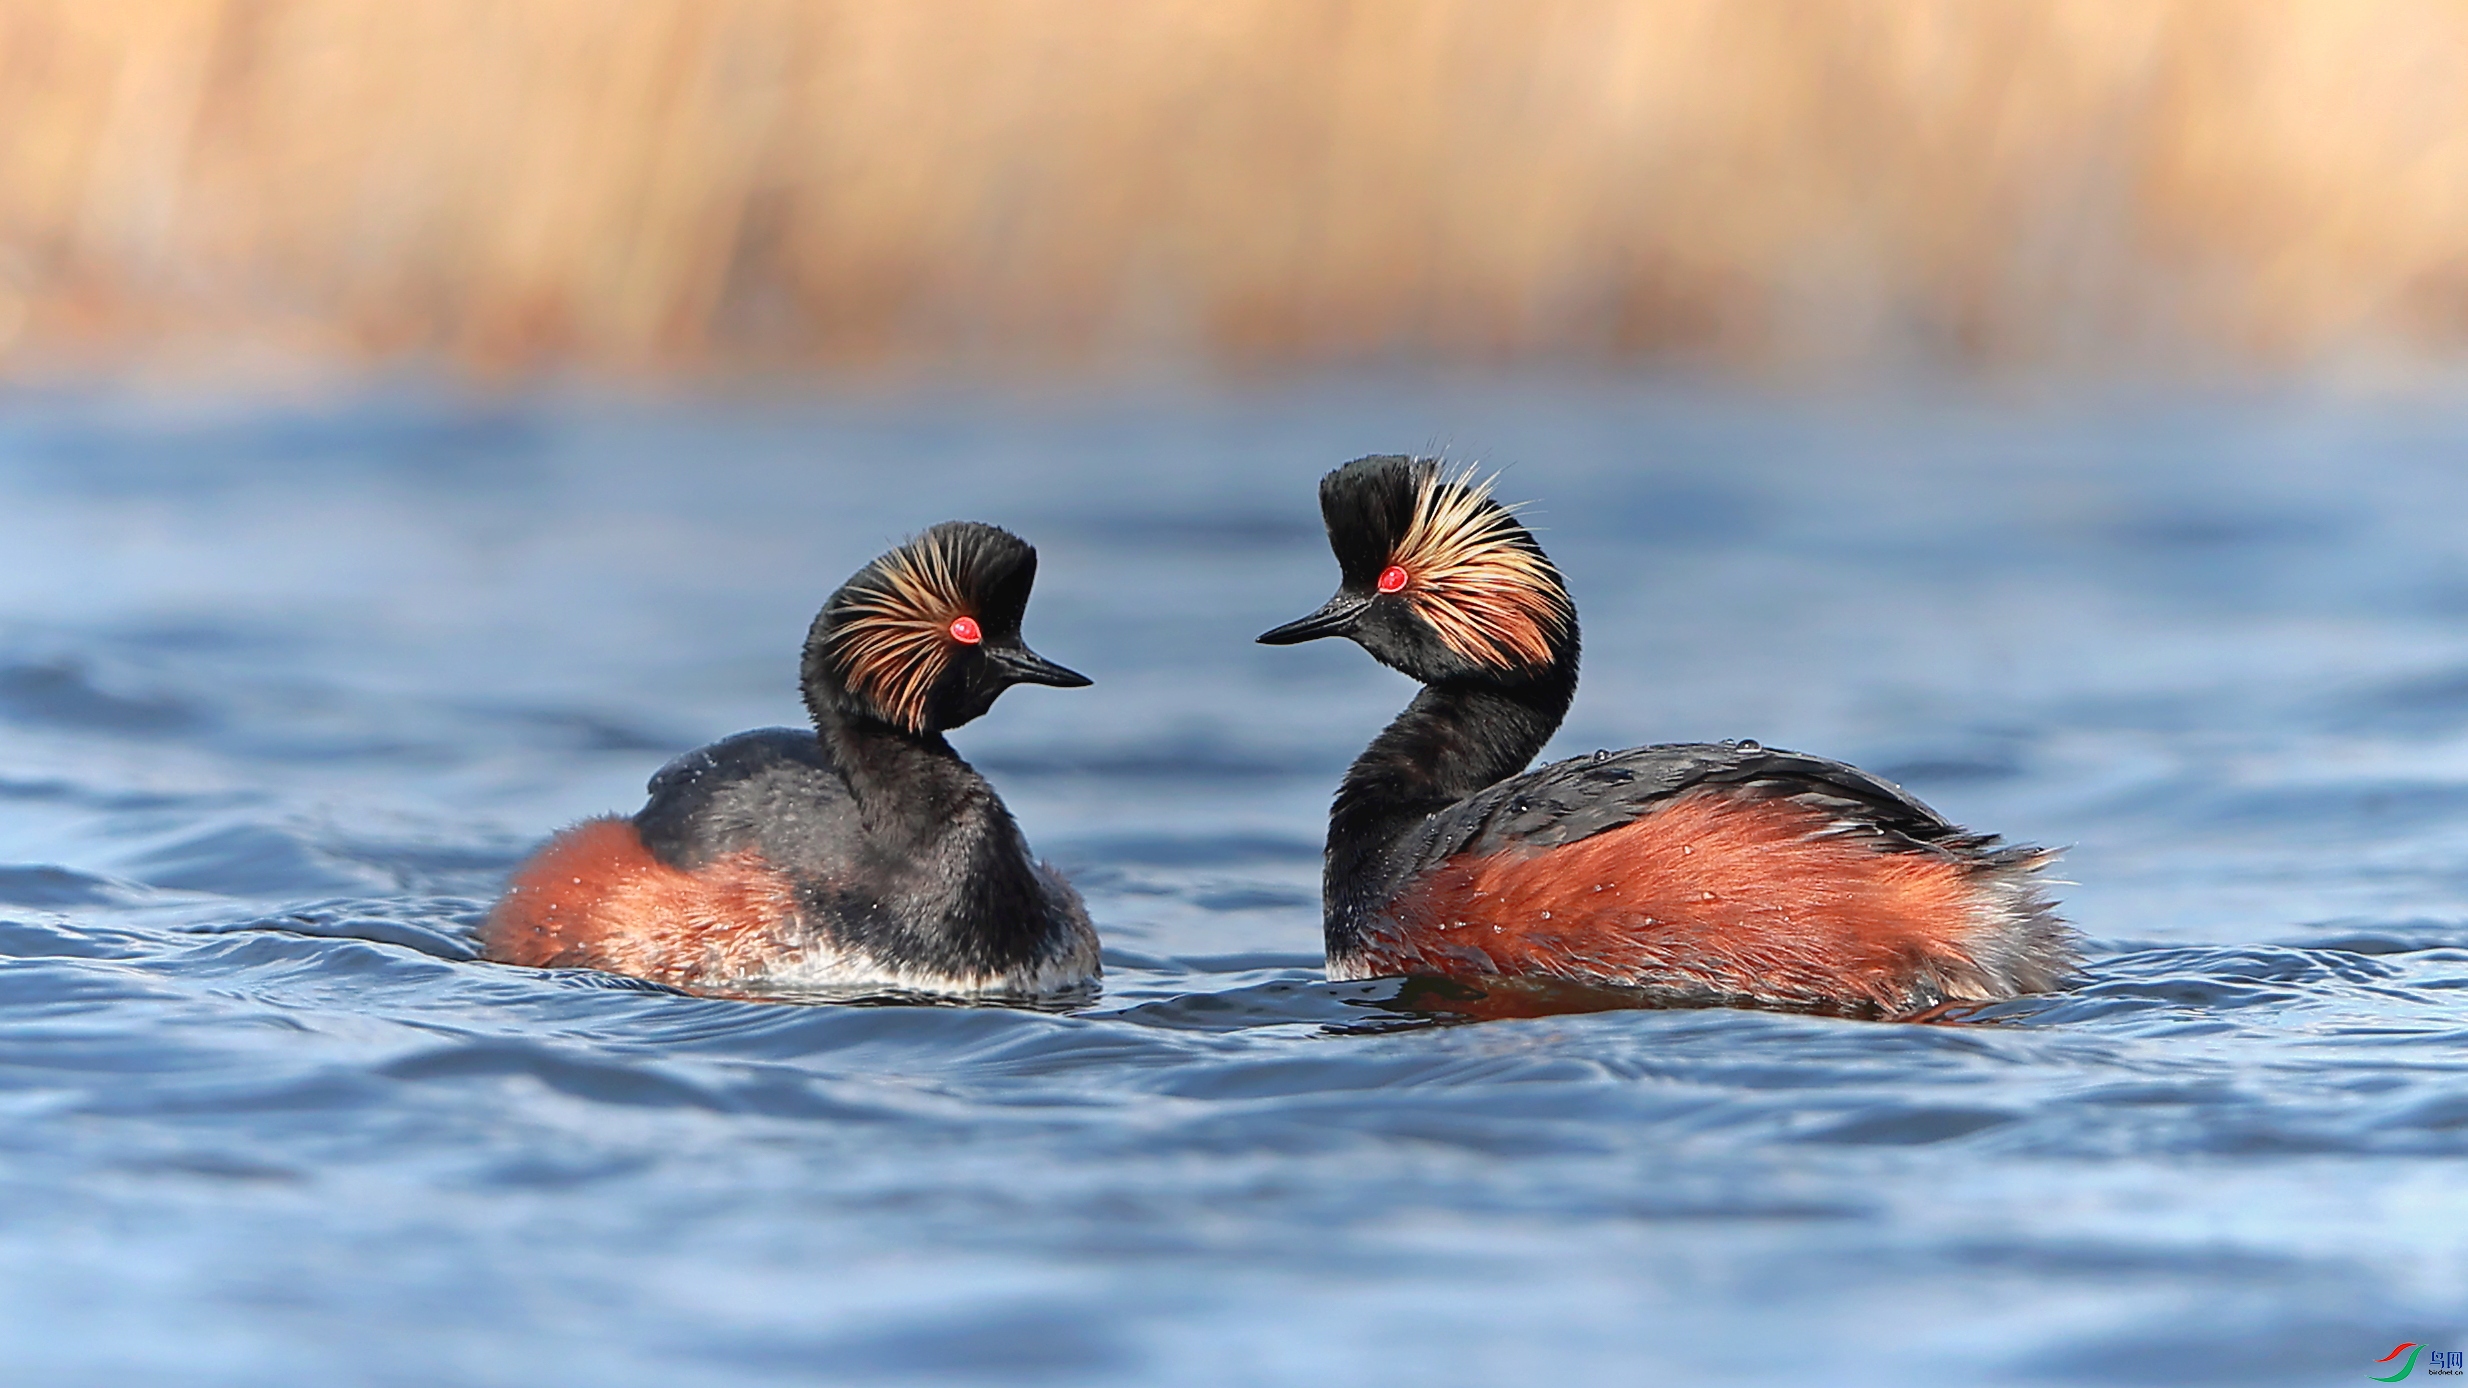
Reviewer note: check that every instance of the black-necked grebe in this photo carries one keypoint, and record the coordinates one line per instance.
(862, 855)
(1724, 874)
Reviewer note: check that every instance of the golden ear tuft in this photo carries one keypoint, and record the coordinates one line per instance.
(1475, 576)
(894, 636)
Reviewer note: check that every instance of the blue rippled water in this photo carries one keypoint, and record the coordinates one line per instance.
(285, 688)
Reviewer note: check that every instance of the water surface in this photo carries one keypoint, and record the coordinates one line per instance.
(285, 688)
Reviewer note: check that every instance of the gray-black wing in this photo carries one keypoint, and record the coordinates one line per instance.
(775, 790)
(1576, 799)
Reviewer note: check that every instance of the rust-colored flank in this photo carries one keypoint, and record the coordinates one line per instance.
(596, 898)
(1718, 896)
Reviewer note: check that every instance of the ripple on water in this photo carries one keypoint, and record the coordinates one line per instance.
(269, 1119)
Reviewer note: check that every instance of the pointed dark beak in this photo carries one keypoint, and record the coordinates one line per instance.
(1335, 618)
(1021, 665)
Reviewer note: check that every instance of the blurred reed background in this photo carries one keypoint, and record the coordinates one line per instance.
(1095, 184)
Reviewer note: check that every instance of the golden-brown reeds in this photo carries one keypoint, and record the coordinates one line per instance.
(645, 182)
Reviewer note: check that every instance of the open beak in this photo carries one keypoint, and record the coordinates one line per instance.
(1335, 618)
(1021, 665)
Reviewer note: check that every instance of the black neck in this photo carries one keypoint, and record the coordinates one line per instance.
(965, 891)
(1452, 741)
(907, 785)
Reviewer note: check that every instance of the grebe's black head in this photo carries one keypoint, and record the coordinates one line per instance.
(1437, 579)
(926, 637)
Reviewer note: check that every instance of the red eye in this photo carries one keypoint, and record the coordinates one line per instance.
(1392, 579)
(964, 629)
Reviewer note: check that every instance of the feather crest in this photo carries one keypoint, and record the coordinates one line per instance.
(1475, 575)
(893, 640)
